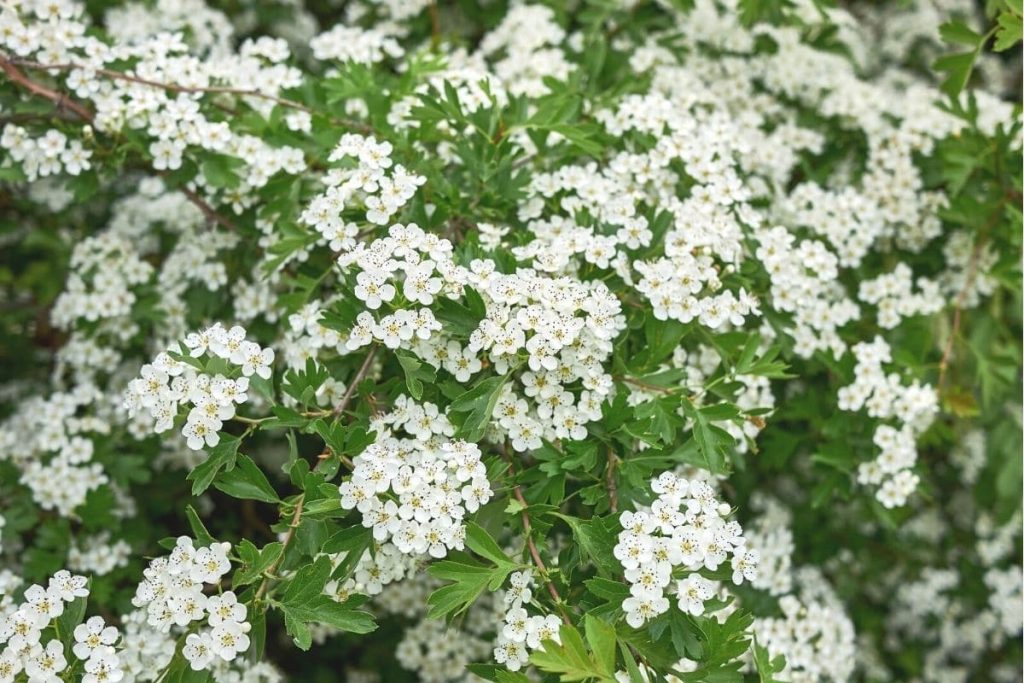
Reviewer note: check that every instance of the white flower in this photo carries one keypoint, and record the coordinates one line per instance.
(693, 592)
(91, 636)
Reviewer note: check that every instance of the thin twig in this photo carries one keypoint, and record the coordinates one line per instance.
(208, 211)
(958, 305)
(534, 553)
(292, 526)
(19, 78)
(350, 391)
(63, 101)
(644, 385)
(194, 89)
(435, 25)
(613, 489)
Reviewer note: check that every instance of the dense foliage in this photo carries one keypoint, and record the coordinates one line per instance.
(611, 340)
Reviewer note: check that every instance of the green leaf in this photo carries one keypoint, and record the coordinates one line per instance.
(957, 32)
(74, 613)
(570, 659)
(711, 440)
(635, 676)
(765, 666)
(247, 481)
(416, 373)
(220, 170)
(222, 457)
(256, 561)
(958, 67)
(480, 542)
(308, 583)
(595, 541)
(479, 403)
(1009, 32)
(601, 639)
(470, 580)
(325, 610)
(198, 528)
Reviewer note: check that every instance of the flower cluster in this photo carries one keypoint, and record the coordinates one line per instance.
(106, 269)
(415, 492)
(52, 443)
(683, 532)
(99, 554)
(885, 397)
(172, 595)
(170, 382)
(893, 294)
(522, 632)
(382, 186)
(21, 632)
(50, 154)
(598, 239)
(814, 634)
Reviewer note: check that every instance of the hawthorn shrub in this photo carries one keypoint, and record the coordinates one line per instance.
(612, 340)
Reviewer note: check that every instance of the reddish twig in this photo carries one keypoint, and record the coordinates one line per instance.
(292, 526)
(208, 211)
(613, 489)
(534, 553)
(63, 101)
(195, 89)
(947, 351)
(350, 391)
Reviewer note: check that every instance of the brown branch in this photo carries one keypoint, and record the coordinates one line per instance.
(61, 100)
(947, 351)
(350, 391)
(613, 489)
(208, 211)
(292, 526)
(534, 553)
(435, 25)
(195, 89)
(644, 385)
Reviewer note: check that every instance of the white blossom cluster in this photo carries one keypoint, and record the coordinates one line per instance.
(374, 570)
(48, 155)
(813, 633)
(663, 549)
(381, 186)
(351, 44)
(168, 383)
(173, 120)
(885, 397)
(148, 650)
(522, 632)
(438, 653)
(770, 536)
(172, 595)
(21, 630)
(52, 442)
(105, 268)
(700, 193)
(893, 295)
(542, 315)
(803, 283)
(99, 554)
(525, 49)
(410, 270)
(415, 492)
